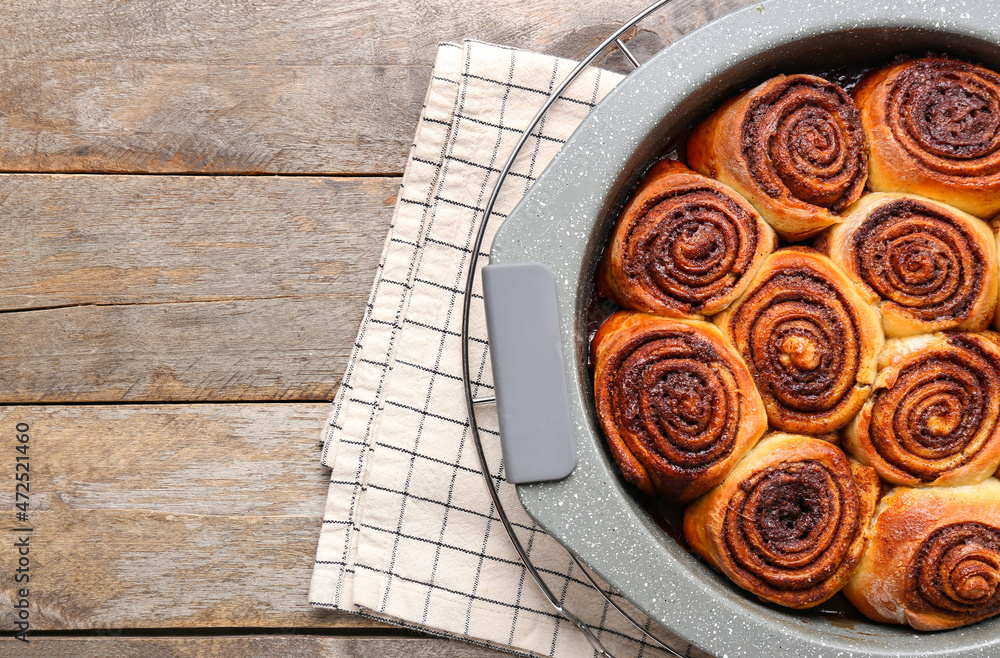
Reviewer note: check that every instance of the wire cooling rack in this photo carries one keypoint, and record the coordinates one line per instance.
(614, 41)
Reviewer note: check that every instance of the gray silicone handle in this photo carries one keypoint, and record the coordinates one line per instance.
(522, 320)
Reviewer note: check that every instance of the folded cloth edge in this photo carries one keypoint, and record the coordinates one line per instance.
(448, 55)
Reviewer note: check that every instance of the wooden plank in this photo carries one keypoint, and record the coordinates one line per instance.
(263, 646)
(71, 239)
(249, 460)
(309, 32)
(291, 348)
(206, 118)
(168, 516)
(184, 288)
(261, 86)
(143, 569)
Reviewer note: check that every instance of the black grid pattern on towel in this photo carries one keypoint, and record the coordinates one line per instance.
(418, 543)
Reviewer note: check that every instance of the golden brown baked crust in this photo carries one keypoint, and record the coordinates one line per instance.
(676, 403)
(810, 341)
(933, 560)
(793, 146)
(928, 266)
(995, 226)
(685, 246)
(933, 417)
(789, 523)
(933, 129)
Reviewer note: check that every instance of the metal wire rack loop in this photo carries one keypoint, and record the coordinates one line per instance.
(614, 40)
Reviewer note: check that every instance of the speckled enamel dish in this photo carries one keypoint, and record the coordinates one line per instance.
(564, 223)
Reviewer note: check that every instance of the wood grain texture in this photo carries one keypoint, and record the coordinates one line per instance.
(292, 348)
(261, 86)
(203, 459)
(311, 32)
(169, 516)
(258, 646)
(175, 118)
(72, 240)
(144, 569)
(184, 288)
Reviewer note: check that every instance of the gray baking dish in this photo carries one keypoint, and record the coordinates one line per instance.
(564, 223)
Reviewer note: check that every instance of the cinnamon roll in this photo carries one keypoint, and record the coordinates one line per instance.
(685, 246)
(676, 403)
(809, 338)
(928, 266)
(792, 146)
(790, 523)
(933, 128)
(933, 560)
(934, 413)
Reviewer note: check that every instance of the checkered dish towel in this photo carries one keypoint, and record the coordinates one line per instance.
(409, 534)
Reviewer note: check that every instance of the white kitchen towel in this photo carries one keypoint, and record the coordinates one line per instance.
(409, 534)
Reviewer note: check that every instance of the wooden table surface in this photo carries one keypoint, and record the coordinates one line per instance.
(193, 197)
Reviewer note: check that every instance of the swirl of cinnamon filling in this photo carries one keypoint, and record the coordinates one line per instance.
(933, 126)
(957, 570)
(930, 266)
(685, 246)
(804, 139)
(810, 340)
(789, 525)
(946, 114)
(794, 146)
(931, 418)
(790, 522)
(676, 404)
